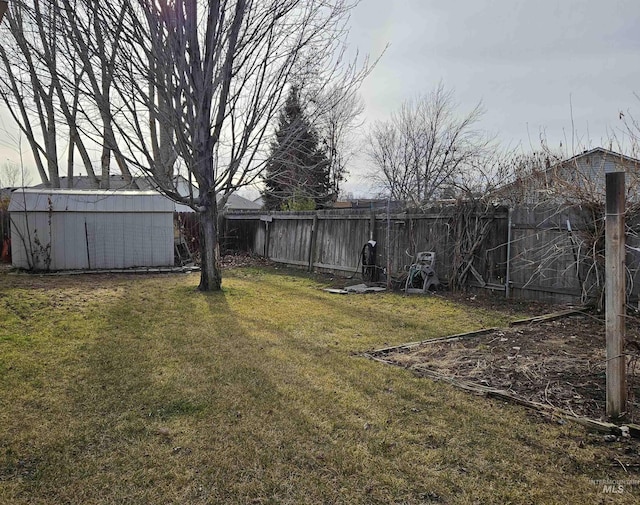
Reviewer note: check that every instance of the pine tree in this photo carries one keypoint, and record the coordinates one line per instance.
(297, 174)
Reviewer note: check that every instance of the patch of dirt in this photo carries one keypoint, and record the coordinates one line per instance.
(497, 302)
(242, 259)
(560, 363)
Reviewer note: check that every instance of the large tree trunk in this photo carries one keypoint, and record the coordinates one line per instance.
(210, 268)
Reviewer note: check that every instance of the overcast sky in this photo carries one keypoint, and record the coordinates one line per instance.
(527, 61)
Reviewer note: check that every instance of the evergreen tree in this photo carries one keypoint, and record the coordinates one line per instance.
(297, 174)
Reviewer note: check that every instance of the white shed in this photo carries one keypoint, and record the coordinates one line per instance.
(100, 229)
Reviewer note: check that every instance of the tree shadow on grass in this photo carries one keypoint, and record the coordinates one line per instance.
(146, 384)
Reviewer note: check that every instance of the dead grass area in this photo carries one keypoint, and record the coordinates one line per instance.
(560, 363)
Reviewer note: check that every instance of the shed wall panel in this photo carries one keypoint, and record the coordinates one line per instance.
(59, 231)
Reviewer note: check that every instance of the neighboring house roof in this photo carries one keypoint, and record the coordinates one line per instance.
(237, 202)
(84, 182)
(259, 201)
(580, 177)
(369, 203)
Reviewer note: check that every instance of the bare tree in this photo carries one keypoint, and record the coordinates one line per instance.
(96, 46)
(55, 77)
(337, 110)
(13, 175)
(26, 83)
(424, 147)
(202, 81)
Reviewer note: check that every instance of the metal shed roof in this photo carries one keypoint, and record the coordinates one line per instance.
(64, 200)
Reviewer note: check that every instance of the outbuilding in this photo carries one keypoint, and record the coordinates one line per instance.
(57, 229)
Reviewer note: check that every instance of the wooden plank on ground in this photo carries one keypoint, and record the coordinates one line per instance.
(591, 424)
(546, 317)
(446, 338)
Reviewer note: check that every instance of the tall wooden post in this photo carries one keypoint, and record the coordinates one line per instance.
(615, 293)
(389, 243)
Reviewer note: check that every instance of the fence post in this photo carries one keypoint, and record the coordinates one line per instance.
(267, 236)
(388, 269)
(615, 293)
(312, 242)
(507, 279)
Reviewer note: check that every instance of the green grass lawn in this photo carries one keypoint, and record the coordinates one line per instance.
(140, 389)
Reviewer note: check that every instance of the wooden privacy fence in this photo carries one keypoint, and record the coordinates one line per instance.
(526, 252)
(333, 241)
